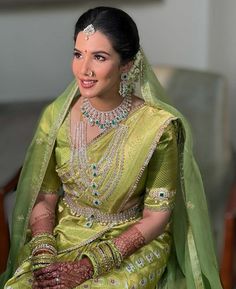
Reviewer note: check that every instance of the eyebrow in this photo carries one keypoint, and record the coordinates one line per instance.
(95, 52)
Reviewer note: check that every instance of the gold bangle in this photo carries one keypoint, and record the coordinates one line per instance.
(94, 262)
(116, 253)
(104, 257)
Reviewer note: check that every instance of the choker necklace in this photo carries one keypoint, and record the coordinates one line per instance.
(106, 119)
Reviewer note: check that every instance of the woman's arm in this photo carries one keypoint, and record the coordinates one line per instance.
(42, 219)
(148, 228)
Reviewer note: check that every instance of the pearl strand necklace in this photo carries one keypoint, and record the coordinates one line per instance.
(106, 119)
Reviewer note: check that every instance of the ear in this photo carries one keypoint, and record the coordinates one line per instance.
(126, 67)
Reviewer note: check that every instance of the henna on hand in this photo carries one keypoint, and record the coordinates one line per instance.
(63, 275)
(129, 241)
(42, 218)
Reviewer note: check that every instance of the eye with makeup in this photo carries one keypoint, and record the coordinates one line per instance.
(77, 54)
(99, 57)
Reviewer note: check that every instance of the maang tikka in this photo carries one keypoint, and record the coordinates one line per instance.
(88, 31)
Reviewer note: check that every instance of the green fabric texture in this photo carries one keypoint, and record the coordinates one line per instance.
(193, 242)
(192, 263)
(36, 161)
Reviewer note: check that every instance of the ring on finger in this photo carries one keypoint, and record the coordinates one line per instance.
(58, 281)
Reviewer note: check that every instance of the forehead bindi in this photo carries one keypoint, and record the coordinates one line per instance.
(96, 42)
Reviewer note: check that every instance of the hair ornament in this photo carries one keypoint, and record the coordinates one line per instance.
(137, 67)
(89, 30)
(130, 79)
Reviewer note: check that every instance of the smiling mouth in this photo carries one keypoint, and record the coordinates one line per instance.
(87, 83)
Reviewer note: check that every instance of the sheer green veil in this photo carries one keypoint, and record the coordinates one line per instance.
(192, 262)
(33, 171)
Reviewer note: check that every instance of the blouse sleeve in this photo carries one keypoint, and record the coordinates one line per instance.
(162, 173)
(51, 182)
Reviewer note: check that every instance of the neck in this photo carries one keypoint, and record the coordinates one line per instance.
(105, 104)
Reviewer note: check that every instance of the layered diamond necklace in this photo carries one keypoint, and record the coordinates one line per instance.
(99, 179)
(106, 119)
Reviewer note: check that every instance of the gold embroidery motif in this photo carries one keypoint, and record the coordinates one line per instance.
(159, 199)
(190, 205)
(96, 215)
(20, 218)
(159, 194)
(39, 140)
(47, 191)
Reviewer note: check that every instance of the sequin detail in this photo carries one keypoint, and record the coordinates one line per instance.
(161, 194)
(159, 199)
(97, 215)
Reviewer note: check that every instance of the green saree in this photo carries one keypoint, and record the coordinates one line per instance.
(134, 179)
(157, 140)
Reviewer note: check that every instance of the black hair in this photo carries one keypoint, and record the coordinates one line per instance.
(116, 25)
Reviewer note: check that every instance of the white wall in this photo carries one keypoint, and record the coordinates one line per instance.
(222, 49)
(36, 43)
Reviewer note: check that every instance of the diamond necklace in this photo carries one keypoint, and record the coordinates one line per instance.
(94, 177)
(106, 119)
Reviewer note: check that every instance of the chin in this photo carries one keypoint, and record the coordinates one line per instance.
(87, 94)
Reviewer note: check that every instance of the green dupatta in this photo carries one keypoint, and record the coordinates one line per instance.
(192, 263)
(32, 174)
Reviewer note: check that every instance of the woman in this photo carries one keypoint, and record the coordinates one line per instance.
(131, 210)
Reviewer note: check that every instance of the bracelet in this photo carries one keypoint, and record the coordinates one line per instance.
(44, 247)
(110, 254)
(104, 257)
(116, 254)
(42, 260)
(43, 235)
(43, 241)
(91, 256)
(43, 250)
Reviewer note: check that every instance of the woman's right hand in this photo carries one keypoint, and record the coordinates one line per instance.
(63, 275)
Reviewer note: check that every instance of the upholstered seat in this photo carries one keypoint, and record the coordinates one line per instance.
(18, 121)
(201, 97)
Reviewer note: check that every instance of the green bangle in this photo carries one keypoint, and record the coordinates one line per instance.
(104, 257)
(116, 253)
(94, 262)
(108, 262)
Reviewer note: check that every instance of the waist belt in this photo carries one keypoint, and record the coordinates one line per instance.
(96, 215)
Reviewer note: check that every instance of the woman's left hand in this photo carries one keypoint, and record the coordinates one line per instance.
(63, 275)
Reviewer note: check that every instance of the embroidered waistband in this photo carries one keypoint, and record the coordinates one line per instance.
(96, 215)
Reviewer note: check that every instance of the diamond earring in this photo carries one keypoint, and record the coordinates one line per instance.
(126, 87)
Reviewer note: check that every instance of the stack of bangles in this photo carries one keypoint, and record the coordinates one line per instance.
(43, 249)
(104, 257)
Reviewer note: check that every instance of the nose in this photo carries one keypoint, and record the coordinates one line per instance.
(85, 65)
